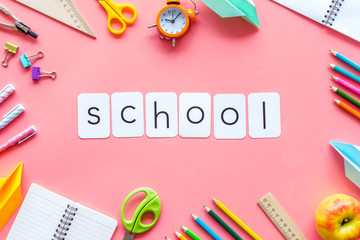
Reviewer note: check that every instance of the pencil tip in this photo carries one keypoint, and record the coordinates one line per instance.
(333, 52)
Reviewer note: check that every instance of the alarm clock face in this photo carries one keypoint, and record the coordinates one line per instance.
(173, 21)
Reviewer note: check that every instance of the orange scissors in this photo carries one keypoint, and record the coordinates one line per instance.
(115, 14)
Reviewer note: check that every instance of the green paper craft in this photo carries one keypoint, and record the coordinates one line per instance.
(235, 8)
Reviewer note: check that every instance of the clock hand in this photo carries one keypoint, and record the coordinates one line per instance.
(177, 16)
(168, 20)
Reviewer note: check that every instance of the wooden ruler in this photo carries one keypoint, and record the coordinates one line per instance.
(61, 10)
(280, 218)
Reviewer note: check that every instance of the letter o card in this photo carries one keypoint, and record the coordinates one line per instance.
(194, 115)
(229, 116)
(93, 115)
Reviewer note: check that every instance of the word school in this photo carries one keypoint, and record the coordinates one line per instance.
(194, 119)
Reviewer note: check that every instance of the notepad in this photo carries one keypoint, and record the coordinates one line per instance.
(49, 216)
(340, 15)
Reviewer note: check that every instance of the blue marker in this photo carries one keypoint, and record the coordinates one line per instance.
(206, 227)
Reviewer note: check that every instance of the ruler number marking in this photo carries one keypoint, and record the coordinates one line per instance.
(279, 217)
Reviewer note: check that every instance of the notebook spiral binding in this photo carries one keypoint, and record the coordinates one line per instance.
(334, 8)
(65, 223)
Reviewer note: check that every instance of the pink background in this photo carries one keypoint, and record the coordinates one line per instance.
(288, 54)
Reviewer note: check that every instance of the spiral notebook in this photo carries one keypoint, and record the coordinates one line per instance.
(340, 15)
(49, 216)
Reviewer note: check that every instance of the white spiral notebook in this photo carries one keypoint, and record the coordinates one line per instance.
(45, 215)
(340, 15)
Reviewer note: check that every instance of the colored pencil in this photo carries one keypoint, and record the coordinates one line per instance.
(346, 84)
(236, 220)
(190, 233)
(180, 236)
(346, 96)
(167, 238)
(347, 108)
(206, 227)
(344, 72)
(346, 60)
(222, 223)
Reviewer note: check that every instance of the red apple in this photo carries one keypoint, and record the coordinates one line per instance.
(338, 218)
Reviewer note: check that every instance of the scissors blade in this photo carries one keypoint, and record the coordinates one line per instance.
(129, 236)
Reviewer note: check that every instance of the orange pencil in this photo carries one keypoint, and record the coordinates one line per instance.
(347, 108)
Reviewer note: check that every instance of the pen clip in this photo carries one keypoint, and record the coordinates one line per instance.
(12, 110)
(22, 140)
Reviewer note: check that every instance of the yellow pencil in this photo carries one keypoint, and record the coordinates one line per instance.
(236, 219)
(181, 237)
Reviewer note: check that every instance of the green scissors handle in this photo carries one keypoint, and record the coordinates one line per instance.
(151, 203)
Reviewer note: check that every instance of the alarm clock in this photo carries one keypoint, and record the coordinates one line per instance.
(173, 20)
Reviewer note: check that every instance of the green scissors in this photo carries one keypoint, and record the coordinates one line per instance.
(151, 203)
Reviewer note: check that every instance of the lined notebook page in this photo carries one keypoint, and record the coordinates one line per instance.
(39, 215)
(42, 210)
(347, 20)
(90, 225)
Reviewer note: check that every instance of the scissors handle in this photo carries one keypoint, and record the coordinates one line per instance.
(115, 14)
(151, 203)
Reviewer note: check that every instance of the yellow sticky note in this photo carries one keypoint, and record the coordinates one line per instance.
(10, 194)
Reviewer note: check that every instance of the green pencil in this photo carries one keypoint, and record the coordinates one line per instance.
(222, 223)
(190, 233)
(347, 97)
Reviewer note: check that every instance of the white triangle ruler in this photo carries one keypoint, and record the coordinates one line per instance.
(61, 10)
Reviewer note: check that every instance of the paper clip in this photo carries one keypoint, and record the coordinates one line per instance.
(6, 92)
(10, 49)
(36, 73)
(26, 61)
(14, 113)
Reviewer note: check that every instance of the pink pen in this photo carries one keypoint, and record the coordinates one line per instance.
(27, 133)
(346, 84)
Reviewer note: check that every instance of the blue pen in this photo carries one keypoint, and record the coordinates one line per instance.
(344, 72)
(206, 227)
(346, 60)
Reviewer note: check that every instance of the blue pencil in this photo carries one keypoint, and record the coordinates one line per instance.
(206, 227)
(346, 60)
(344, 72)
